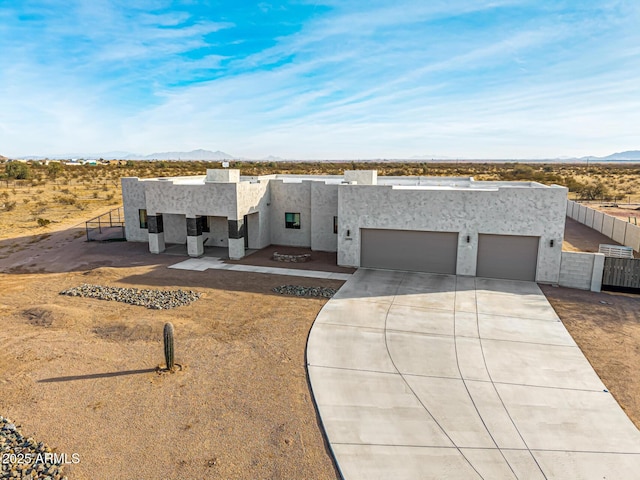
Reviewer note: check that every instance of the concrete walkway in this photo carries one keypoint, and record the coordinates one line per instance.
(420, 376)
(205, 263)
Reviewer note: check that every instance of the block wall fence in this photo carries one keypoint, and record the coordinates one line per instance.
(617, 229)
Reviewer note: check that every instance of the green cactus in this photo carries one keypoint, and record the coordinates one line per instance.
(168, 346)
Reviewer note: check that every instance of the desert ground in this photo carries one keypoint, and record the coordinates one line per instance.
(80, 374)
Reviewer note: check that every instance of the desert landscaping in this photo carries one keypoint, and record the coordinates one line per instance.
(80, 374)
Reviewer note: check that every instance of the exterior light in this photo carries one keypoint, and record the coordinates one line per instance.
(551, 243)
(468, 239)
(348, 233)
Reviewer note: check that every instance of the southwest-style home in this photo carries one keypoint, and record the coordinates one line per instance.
(510, 230)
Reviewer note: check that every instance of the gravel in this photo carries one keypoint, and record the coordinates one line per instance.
(22, 457)
(154, 299)
(299, 291)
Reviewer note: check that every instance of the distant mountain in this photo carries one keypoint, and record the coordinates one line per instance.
(628, 155)
(193, 155)
(119, 155)
(429, 156)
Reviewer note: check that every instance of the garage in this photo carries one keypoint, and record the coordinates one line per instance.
(416, 251)
(508, 257)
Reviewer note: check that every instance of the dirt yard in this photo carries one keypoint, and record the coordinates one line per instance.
(580, 238)
(606, 326)
(79, 374)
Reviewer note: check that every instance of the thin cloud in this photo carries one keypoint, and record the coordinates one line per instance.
(321, 79)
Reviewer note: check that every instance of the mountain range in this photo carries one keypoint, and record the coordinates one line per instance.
(208, 155)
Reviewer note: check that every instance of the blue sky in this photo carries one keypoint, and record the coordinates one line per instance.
(321, 79)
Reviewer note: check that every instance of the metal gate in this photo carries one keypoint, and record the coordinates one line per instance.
(621, 272)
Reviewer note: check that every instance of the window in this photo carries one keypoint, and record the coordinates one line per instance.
(204, 223)
(292, 220)
(335, 224)
(142, 214)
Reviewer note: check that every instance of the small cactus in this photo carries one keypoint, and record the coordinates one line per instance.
(168, 346)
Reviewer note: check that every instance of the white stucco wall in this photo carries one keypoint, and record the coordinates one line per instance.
(324, 206)
(218, 235)
(256, 198)
(175, 228)
(133, 199)
(294, 198)
(598, 219)
(217, 199)
(506, 211)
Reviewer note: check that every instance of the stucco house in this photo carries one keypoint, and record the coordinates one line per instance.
(511, 230)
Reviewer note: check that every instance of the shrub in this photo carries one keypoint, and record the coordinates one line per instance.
(17, 170)
(43, 222)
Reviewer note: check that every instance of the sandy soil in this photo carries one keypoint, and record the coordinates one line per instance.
(621, 211)
(580, 238)
(79, 374)
(606, 326)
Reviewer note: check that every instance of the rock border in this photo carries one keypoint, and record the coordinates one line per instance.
(300, 291)
(291, 258)
(153, 299)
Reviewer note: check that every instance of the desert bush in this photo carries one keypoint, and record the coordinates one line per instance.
(17, 170)
(43, 222)
(54, 169)
(9, 206)
(69, 200)
(593, 192)
(26, 200)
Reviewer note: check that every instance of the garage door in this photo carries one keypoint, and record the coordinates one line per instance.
(433, 252)
(507, 256)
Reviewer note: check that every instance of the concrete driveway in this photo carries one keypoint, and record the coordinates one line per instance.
(420, 376)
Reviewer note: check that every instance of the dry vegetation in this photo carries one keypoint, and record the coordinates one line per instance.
(55, 192)
(36, 199)
(78, 373)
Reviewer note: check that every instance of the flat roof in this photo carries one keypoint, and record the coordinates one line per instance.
(400, 182)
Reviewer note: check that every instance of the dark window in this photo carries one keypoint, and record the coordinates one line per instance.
(335, 224)
(204, 223)
(142, 214)
(292, 220)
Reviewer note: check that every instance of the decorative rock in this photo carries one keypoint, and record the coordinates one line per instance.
(300, 258)
(154, 299)
(15, 446)
(299, 291)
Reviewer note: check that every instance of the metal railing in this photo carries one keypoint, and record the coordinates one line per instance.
(106, 227)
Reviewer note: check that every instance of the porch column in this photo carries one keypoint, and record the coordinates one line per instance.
(156, 233)
(195, 244)
(236, 239)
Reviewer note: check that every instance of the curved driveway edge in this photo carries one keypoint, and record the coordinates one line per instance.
(421, 376)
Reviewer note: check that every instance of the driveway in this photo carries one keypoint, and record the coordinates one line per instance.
(420, 376)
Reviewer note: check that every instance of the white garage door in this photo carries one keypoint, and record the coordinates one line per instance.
(433, 252)
(507, 256)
